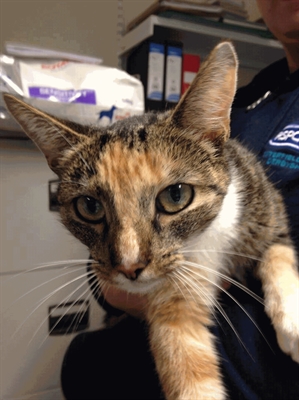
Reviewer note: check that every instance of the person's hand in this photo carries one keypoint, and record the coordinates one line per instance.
(133, 304)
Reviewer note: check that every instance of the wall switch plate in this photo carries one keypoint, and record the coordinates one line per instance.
(68, 317)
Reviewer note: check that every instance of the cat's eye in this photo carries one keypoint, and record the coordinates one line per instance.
(89, 209)
(175, 198)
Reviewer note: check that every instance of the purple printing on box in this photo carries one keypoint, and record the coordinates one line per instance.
(86, 96)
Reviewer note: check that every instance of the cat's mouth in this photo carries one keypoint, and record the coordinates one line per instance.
(137, 286)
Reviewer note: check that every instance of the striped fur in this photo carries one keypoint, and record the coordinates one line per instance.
(233, 218)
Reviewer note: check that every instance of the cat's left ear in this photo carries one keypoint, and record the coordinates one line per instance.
(204, 110)
(52, 136)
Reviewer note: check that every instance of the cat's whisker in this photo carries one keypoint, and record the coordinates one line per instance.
(195, 285)
(231, 297)
(64, 264)
(95, 285)
(101, 284)
(203, 293)
(173, 280)
(210, 300)
(226, 278)
(47, 297)
(104, 288)
(179, 278)
(230, 253)
(216, 304)
(98, 283)
(39, 286)
(79, 315)
(69, 296)
(64, 301)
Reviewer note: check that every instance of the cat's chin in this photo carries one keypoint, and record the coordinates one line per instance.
(137, 286)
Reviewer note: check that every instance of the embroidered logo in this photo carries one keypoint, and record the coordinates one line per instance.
(288, 137)
(282, 160)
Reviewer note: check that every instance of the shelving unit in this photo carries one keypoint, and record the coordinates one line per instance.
(199, 36)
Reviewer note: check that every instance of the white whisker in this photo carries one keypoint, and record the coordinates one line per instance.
(104, 286)
(204, 293)
(182, 280)
(97, 285)
(44, 299)
(39, 286)
(178, 286)
(226, 278)
(217, 305)
(76, 320)
(65, 300)
(194, 284)
(52, 265)
(232, 297)
(230, 253)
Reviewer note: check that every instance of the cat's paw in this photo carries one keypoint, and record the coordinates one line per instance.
(288, 345)
(286, 325)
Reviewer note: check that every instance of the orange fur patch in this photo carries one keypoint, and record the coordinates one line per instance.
(184, 351)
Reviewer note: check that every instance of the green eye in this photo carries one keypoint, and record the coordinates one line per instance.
(89, 209)
(175, 198)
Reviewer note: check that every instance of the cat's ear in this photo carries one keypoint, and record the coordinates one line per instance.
(204, 110)
(52, 136)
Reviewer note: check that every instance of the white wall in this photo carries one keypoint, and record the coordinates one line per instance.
(86, 26)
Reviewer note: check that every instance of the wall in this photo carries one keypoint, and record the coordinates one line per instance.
(84, 27)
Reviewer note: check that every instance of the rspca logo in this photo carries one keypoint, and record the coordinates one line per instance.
(287, 138)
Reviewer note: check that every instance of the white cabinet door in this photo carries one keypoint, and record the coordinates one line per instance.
(31, 359)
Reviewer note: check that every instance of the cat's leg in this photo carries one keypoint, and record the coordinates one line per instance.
(184, 353)
(280, 280)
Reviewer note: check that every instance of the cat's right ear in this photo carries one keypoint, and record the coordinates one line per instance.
(52, 136)
(204, 110)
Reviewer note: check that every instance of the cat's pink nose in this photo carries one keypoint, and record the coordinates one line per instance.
(131, 271)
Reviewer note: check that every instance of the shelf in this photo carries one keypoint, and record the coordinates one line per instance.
(254, 50)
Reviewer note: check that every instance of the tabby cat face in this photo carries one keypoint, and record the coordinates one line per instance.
(135, 192)
(135, 205)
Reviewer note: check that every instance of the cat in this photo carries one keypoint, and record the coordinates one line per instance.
(168, 206)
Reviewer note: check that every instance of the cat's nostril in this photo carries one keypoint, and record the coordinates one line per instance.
(138, 272)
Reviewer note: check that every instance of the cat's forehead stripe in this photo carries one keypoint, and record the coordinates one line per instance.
(124, 169)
